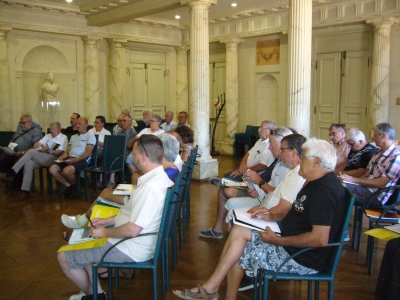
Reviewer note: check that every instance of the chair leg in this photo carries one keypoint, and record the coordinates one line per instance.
(86, 179)
(360, 223)
(110, 287)
(331, 285)
(316, 294)
(309, 295)
(355, 226)
(155, 284)
(49, 182)
(174, 249)
(264, 288)
(94, 281)
(370, 253)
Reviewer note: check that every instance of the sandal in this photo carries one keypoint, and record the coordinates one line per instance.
(66, 235)
(200, 294)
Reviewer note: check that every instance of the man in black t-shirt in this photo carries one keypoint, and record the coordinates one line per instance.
(73, 120)
(314, 220)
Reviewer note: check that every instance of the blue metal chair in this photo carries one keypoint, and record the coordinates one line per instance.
(328, 275)
(170, 206)
(113, 159)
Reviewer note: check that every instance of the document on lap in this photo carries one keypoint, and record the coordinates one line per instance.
(244, 219)
(124, 189)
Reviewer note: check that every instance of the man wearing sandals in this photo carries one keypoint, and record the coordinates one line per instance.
(314, 220)
(141, 214)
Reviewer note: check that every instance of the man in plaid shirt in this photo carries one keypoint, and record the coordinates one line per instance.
(383, 169)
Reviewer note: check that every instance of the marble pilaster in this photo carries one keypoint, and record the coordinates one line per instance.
(91, 83)
(379, 88)
(182, 88)
(116, 79)
(199, 99)
(299, 65)
(5, 99)
(232, 88)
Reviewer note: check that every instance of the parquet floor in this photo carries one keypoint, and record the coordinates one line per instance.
(30, 234)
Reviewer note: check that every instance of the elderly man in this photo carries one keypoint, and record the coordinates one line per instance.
(22, 140)
(73, 120)
(142, 214)
(71, 161)
(43, 154)
(383, 169)
(169, 124)
(99, 130)
(360, 154)
(34, 124)
(182, 119)
(258, 158)
(117, 128)
(314, 220)
(337, 134)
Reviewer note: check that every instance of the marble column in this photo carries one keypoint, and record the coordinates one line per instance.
(5, 99)
(199, 94)
(182, 88)
(91, 83)
(116, 79)
(379, 89)
(299, 65)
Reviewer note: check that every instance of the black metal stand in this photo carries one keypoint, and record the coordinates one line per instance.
(218, 110)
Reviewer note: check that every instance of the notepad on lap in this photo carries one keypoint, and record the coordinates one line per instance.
(244, 219)
(124, 189)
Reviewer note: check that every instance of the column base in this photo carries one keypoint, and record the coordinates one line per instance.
(205, 168)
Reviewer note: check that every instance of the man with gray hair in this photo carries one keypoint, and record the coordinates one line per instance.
(169, 124)
(314, 220)
(337, 134)
(171, 151)
(360, 154)
(43, 154)
(383, 169)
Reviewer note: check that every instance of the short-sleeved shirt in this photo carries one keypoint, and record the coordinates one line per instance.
(260, 154)
(321, 202)
(385, 164)
(148, 131)
(79, 142)
(60, 139)
(26, 139)
(168, 127)
(360, 159)
(145, 209)
(287, 189)
(102, 133)
(277, 175)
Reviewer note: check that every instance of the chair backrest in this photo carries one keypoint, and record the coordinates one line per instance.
(114, 152)
(335, 255)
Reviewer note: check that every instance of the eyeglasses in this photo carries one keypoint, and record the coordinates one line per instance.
(23, 123)
(141, 144)
(282, 149)
(351, 144)
(307, 156)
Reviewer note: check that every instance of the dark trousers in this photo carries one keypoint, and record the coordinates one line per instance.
(388, 286)
(6, 162)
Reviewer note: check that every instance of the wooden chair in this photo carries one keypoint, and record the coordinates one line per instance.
(328, 275)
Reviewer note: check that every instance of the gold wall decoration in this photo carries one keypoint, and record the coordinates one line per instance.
(268, 52)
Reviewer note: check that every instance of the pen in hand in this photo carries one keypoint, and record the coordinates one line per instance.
(91, 223)
(261, 213)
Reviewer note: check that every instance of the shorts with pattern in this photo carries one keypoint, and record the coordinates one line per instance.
(258, 254)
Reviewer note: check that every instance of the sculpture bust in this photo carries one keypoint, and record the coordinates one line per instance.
(49, 88)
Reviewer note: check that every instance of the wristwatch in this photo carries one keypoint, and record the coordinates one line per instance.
(261, 183)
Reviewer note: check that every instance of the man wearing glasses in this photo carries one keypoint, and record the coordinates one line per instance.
(99, 130)
(22, 140)
(337, 134)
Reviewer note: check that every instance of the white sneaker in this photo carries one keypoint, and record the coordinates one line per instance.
(78, 221)
(77, 296)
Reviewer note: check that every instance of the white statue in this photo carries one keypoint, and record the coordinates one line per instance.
(49, 88)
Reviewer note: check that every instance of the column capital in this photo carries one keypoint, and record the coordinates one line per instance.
(90, 39)
(4, 30)
(118, 43)
(194, 2)
(231, 41)
(383, 23)
(182, 49)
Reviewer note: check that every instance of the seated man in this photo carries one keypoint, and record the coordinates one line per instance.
(43, 154)
(258, 158)
(383, 169)
(360, 154)
(314, 220)
(182, 119)
(79, 149)
(141, 214)
(73, 120)
(24, 138)
(169, 124)
(117, 128)
(34, 124)
(99, 130)
(337, 134)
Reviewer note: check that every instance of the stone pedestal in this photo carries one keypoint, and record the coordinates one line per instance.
(91, 83)
(199, 100)
(116, 79)
(182, 88)
(299, 65)
(5, 100)
(379, 91)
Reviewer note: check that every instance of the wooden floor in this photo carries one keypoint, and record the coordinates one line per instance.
(30, 234)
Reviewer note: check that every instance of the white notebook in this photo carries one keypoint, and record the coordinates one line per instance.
(244, 219)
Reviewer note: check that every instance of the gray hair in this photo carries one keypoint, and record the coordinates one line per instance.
(157, 117)
(356, 135)
(386, 128)
(270, 124)
(323, 150)
(56, 123)
(339, 127)
(280, 132)
(149, 111)
(26, 114)
(126, 112)
(170, 112)
(171, 146)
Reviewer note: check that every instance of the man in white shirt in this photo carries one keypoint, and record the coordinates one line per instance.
(43, 154)
(169, 124)
(99, 130)
(141, 214)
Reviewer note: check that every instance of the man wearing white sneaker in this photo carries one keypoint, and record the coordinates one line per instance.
(141, 214)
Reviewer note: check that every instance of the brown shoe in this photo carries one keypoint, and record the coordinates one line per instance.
(24, 196)
(4, 177)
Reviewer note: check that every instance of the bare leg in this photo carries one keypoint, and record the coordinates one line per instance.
(56, 172)
(230, 255)
(221, 210)
(131, 168)
(70, 174)
(234, 277)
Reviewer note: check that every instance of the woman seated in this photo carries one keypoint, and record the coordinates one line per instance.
(187, 136)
